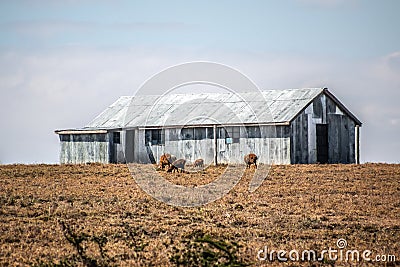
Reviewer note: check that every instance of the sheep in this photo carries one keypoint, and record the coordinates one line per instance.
(177, 165)
(250, 159)
(166, 160)
(199, 163)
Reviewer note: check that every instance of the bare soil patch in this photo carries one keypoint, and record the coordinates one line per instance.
(96, 215)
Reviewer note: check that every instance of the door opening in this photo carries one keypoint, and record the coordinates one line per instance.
(322, 143)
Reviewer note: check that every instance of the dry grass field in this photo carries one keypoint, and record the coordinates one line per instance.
(96, 215)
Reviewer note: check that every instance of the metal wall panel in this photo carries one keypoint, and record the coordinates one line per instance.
(84, 152)
(272, 147)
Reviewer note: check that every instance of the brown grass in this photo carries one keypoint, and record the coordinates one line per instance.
(47, 211)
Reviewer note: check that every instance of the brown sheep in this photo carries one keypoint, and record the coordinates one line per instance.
(251, 159)
(177, 165)
(166, 160)
(199, 163)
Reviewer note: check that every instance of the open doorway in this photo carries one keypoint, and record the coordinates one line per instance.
(322, 143)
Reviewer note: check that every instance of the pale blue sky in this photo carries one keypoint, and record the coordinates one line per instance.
(351, 29)
(63, 62)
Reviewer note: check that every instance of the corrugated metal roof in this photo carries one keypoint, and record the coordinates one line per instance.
(272, 106)
(269, 106)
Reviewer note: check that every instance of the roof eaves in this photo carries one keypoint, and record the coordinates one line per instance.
(281, 123)
(86, 130)
(61, 132)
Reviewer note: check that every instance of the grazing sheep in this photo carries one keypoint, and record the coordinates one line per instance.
(177, 165)
(166, 160)
(250, 159)
(199, 163)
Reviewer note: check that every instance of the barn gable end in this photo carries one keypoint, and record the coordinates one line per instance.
(308, 133)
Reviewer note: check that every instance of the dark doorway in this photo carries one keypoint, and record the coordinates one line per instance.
(129, 146)
(322, 143)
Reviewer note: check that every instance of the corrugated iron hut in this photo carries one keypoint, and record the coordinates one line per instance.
(287, 127)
